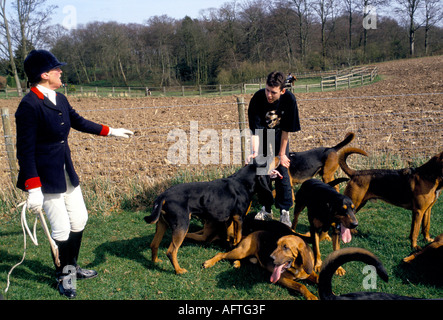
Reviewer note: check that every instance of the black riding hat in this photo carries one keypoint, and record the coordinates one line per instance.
(38, 62)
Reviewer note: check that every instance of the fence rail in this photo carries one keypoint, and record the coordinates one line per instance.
(335, 79)
(343, 79)
(349, 78)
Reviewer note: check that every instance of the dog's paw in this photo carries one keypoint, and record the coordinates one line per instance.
(317, 266)
(207, 264)
(180, 271)
(311, 297)
(340, 271)
(429, 239)
(325, 237)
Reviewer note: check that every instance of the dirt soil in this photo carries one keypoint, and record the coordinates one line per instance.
(400, 114)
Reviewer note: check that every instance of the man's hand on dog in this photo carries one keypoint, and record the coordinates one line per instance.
(284, 161)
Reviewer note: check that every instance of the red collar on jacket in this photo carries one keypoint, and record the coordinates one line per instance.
(38, 93)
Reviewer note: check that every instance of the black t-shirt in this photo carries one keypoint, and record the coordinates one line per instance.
(283, 113)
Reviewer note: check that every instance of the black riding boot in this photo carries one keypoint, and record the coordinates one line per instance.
(65, 273)
(76, 239)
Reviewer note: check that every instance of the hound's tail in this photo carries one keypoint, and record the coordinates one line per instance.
(333, 183)
(336, 259)
(348, 138)
(344, 154)
(156, 210)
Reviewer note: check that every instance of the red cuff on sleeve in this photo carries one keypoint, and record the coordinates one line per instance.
(105, 131)
(33, 183)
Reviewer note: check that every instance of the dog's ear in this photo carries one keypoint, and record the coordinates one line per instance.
(303, 251)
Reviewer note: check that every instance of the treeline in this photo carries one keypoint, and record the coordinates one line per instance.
(245, 40)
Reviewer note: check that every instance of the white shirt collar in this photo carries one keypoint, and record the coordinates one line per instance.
(50, 94)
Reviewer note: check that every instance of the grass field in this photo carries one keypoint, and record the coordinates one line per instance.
(117, 246)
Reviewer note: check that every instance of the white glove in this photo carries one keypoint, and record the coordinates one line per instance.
(120, 133)
(35, 200)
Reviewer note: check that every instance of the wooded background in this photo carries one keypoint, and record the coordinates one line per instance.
(239, 41)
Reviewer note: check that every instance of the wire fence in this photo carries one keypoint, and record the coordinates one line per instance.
(204, 135)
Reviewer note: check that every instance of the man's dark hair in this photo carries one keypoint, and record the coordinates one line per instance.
(276, 79)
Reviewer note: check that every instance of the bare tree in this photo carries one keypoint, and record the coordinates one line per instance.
(286, 29)
(325, 10)
(7, 48)
(367, 8)
(409, 8)
(433, 15)
(31, 22)
(229, 32)
(349, 9)
(304, 22)
(158, 38)
(253, 16)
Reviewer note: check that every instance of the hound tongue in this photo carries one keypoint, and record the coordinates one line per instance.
(345, 234)
(277, 273)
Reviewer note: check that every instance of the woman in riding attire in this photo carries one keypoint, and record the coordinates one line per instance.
(44, 119)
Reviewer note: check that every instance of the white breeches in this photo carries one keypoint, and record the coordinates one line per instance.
(66, 212)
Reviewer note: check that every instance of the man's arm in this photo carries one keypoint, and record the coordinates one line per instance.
(284, 160)
(255, 144)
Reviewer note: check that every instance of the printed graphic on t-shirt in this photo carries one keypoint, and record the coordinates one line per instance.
(272, 119)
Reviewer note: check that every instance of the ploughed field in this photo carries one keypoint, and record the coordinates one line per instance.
(399, 116)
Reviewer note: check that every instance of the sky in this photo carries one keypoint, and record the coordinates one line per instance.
(72, 12)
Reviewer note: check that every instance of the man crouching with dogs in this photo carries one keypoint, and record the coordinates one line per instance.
(274, 111)
(44, 119)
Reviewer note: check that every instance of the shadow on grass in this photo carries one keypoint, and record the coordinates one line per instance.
(421, 271)
(30, 269)
(248, 276)
(132, 249)
(138, 250)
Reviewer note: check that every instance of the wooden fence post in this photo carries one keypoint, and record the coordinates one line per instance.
(10, 151)
(242, 126)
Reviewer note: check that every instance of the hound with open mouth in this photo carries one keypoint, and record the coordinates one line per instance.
(326, 208)
(277, 249)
